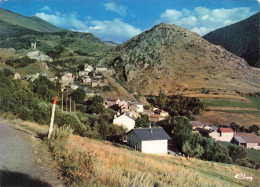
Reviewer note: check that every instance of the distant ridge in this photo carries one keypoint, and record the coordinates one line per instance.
(10, 21)
(110, 43)
(241, 38)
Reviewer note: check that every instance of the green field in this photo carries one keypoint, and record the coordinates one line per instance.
(232, 103)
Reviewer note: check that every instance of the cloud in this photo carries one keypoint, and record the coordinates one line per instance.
(2, 1)
(69, 21)
(112, 30)
(203, 20)
(115, 30)
(46, 8)
(121, 10)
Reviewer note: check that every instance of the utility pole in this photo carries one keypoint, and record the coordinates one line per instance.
(62, 101)
(52, 117)
(66, 104)
(74, 106)
(70, 104)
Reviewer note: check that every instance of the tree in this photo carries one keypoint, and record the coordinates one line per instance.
(193, 148)
(221, 153)
(78, 96)
(254, 128)
(95, 105)
(182, 131)
(237, 153)
(143, 121)
(234, 126)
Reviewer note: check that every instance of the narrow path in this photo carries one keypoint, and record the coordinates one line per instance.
(17, 161)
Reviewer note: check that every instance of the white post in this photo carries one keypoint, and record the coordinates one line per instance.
(52, 117)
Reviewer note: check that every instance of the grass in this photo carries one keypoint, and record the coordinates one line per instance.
(229, 103)
(88, 162)
(256, 101)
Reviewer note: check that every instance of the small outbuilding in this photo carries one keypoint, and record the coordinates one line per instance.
(148, 140)
(248, 140)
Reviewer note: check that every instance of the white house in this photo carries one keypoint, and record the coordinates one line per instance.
(125, 121)
(149, 140)
(138, 107)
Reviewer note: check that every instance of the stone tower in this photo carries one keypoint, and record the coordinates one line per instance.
(33, 45)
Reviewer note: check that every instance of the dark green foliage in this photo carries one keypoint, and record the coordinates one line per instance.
(79, 52)
(44, 88)
(81, 108)
(78, 96)
(8, 72)
(237, 153)
(95, 105)
(177, 105)
(182, 131)
(193, 148)
(21, 62)
(58, 50)
(234, 126)
(254, 128)
(142, 121)
(70, 119)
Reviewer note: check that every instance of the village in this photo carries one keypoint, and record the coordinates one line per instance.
(146, 140)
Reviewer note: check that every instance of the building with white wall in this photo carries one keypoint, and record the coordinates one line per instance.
(125, 121)
(148, 140)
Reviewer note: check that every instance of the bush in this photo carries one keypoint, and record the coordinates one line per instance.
(62, 134)
(72, 120)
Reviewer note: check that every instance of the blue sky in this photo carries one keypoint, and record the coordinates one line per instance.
(119, 20)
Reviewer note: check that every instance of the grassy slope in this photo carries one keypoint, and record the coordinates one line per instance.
(31, 23)
(245, 112)
(113, 166)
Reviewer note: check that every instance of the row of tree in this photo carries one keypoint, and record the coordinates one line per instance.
(177, 105)
(205, 148)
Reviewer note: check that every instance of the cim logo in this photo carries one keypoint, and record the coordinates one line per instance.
(243, 176)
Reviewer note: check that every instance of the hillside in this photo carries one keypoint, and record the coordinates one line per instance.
(241, 38)
(88, 162)
(173, 59)
(11, 23)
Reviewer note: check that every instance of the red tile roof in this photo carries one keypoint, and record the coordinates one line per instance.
(156, 116)
(226, 130)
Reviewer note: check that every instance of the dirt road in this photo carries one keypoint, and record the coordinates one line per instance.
(17, 161)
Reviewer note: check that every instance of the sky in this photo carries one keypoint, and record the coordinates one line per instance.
(120, 20)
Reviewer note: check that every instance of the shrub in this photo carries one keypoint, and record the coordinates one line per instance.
(62, 134)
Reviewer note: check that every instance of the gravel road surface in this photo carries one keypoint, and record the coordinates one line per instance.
(17, 161)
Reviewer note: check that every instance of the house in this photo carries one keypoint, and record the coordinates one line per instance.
(124, 121)
(161, 112)
(248, 140)
(111, 101)
(148, 112)
(137, 107)
(197, 125)
(156, 118)
(123, 105)
(148, 140)
(86, 80)
(83, 73)
(226, 134)
(66, 78)
(88, 68)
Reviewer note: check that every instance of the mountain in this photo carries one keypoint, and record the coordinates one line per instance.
(241, 38)
(110, 43)
(11, 23)
(173, 59)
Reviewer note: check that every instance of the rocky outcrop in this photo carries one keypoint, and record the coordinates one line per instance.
(171, 58)
(40, 56)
